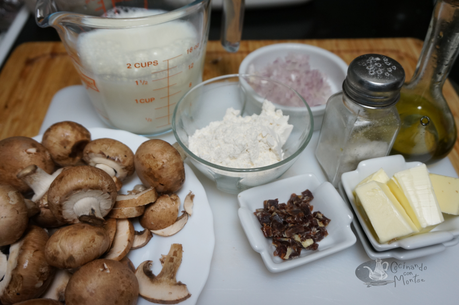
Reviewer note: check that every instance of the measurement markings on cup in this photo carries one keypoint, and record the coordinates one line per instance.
(168, 87)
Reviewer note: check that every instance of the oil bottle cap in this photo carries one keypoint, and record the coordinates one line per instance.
(374, 80)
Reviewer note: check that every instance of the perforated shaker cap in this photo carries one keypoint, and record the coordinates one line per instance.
(374, 80)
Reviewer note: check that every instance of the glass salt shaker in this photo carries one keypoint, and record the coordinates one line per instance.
(361, 122)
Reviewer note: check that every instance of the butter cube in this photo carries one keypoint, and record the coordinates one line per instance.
(398, 193)
(417, 187)
(447, 191)
(379, 176)
(387, 216)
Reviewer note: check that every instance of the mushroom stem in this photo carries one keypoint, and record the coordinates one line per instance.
(88, 210)
(37, 179)
(108, 169)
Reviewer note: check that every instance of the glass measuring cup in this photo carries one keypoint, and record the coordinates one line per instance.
(137, 58)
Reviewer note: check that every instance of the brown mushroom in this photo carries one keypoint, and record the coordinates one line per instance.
(65, 142)
(162, 213)
(75, 245)
(141, 239)
(82, 193)
(158, 164)
(124, 238)
(163, 288)
(110, 227)
(102, 282)
(28, 274)
(13, 215)
(174, 228)
(189, 203)
(110, 155)
(16, 153)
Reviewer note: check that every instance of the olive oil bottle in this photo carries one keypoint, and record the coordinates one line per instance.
(428, 132)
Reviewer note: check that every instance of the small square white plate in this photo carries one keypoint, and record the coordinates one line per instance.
(326, 200)
(442, 233)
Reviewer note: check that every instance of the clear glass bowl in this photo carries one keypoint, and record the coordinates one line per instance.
(208, 102)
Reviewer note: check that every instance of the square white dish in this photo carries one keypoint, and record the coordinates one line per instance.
(442, 233)
(398, 253)
(326, 200)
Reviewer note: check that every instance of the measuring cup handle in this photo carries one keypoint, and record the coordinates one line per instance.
(233, 16)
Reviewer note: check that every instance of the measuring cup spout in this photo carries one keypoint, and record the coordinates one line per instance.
(44, 8)
(233, 16)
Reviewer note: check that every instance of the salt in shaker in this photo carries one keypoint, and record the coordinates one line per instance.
(361, 122)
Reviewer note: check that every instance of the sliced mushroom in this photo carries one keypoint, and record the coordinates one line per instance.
(102, 282)
(189, 203)
(141, 239)
(110, 155)
(13, 216)
(110, 227)
(16, 153)
(3, 265)
(126, 212)
(56, 291)
(162, 213)
(134, 199)
(82, 193)
(65, 141)
(173, 229)
(163, 288)
(75, 245)
(124, 238)
(28, 274)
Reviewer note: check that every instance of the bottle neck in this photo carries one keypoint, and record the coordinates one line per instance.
(440, 47)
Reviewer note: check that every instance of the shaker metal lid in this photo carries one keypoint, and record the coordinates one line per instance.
(374, 80)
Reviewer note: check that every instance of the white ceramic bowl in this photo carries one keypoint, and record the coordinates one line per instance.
(327, 62)
(445, 232)
(326, 200)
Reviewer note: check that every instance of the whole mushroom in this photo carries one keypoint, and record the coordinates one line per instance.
(65, 141)
(28, 274)
(159, 164)
(102, 282)
(75, 245)
(13, 216)
(16, 153)
(110, 155)
(82, 194)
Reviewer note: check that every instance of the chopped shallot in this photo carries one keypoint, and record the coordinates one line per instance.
(295, 72)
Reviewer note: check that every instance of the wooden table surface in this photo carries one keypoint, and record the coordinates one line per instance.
(37, 70)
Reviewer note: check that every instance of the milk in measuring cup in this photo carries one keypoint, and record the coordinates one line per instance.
(135, 77)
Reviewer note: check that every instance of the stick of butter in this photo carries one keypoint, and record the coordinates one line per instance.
(416, 185)
(447, 191)
(385, 213)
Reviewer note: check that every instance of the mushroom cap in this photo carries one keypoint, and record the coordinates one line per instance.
(16, 153)
(75, 245)
(65, 142)
(28, 274)
(162, 213)
(13, 216)
(45, 218)
(76, 183)
(102, 281)
(159, 164)
(112, 153)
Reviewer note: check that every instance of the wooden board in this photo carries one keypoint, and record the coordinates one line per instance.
(37, 70)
